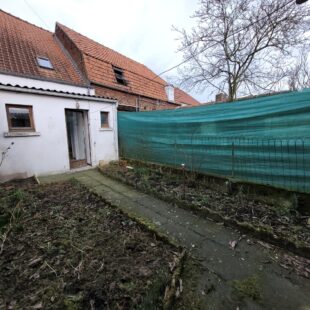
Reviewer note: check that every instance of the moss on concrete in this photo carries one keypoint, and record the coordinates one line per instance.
(248, 288)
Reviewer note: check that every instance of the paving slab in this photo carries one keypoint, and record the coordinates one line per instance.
(223, 267)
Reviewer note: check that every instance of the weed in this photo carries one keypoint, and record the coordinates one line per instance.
(74, 182)
(284, 209)
(17, 196)
(155, 292)
(249, 287)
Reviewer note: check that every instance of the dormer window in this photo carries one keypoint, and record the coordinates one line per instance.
(119, 75)
(44, 62)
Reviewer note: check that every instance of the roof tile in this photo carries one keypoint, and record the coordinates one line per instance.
(99, 60)
(22, 43)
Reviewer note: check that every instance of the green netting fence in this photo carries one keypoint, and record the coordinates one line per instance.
(263, 140)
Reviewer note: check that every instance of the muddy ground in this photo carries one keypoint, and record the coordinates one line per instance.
(64, 248)
(279, 220)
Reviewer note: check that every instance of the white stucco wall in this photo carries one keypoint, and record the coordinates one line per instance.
(48, 152)
(28, 82)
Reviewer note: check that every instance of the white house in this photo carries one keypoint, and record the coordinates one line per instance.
(47, 110)
(54, 131)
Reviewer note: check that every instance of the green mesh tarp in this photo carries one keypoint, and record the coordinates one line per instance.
(263, 140)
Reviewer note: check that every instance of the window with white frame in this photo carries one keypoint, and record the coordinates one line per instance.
(44, 62)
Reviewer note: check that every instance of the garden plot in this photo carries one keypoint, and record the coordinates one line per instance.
(278, 222)
(62, 247)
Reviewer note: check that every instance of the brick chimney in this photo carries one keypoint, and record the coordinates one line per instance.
(221, 97)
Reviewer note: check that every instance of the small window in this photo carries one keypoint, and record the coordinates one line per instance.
(119, 75)
(104, 116)
(20, 118)
(44, 63)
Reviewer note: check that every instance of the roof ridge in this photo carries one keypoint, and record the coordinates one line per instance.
(25, 21)
(114, 51)
(61, 25)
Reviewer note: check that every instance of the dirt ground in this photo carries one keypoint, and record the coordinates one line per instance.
(282, 221)
(63, 248)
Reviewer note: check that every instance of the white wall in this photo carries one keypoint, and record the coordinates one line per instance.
(28, 82)
(48, 152)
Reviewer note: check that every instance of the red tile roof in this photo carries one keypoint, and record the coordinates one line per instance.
(98, 62)
(22, 43)
(182, 97)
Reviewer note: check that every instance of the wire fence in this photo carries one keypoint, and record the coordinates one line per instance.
(283, 163)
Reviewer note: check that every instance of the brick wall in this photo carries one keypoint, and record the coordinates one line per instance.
(130, 101)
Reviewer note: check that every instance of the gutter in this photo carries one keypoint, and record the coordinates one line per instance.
(132, 93)
(40, 78)
(18, 89)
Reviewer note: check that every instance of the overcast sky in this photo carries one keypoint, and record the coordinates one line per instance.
(139, 29)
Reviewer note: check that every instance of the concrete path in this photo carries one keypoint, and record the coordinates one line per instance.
(250, 266)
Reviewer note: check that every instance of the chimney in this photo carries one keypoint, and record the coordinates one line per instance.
(170, 92)
(221, 97)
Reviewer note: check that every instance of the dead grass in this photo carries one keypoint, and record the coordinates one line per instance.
(67, 249)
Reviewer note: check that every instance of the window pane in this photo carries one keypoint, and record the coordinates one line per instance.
(20, 117)
(104, 119)
(45, 63)
(119, 75)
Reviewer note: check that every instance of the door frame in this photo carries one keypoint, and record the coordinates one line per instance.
(87, 142)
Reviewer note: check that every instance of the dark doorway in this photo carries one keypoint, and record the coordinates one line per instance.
(76, 122)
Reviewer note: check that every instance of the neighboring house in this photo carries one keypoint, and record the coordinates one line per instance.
(47, 107)
(114, 75)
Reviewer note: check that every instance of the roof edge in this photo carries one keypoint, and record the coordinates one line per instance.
(75, 66)
(55, 93)
(34, 77)
(134, 93)
(25, 21)
(82, 70)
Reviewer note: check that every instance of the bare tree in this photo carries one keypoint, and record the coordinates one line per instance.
(242, 46)
(299, 72)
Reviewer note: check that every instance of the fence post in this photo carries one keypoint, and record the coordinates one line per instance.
(175, 152)
(233, 159)
(303, 164)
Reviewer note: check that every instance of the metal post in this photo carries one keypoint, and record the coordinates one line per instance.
(233, 160)
(183, 169)
(175, 153)
(303, 164)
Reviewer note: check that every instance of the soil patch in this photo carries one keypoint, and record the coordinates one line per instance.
(281, 223)
(64, 248)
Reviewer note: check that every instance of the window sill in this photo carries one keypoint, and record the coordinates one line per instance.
(106, 129)
(12, 134)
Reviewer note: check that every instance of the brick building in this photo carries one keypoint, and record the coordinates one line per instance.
(80, 61)
(114, 75)
(83, 62)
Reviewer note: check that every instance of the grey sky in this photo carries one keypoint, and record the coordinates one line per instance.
(139, 29)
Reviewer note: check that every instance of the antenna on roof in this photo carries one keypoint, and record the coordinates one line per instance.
(33, 11)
